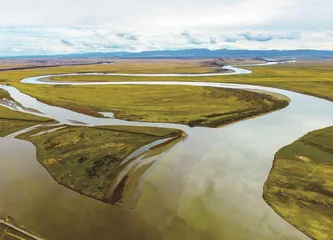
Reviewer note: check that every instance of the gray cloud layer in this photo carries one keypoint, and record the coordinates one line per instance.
(185, 14)
(64, 26)
(264, 37)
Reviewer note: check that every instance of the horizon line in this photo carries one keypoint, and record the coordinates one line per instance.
(165, 50)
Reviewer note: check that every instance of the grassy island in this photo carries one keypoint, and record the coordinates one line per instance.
(300, 185)
(89, 160)
(189, 105)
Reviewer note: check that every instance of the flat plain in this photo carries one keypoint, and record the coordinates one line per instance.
(299, 186)
(88, 159)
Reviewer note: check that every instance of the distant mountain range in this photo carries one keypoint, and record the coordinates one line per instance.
(201, 53)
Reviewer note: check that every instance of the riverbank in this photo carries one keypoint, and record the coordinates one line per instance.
(300, 184)
(312, 78)
(215, 174)
(188, 105)
(89, 160)
(12, 121)
(305, 78)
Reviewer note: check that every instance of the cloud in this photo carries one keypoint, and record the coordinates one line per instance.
(213, 40)
(186, 34)
(67, 43)
(98, 35)
(171, 15)
(128, 36)
(256, 37)
(191, 39)
(231, 39)
(264, 37)
(38, 40)
(112, 46)
(86, 44)
(40, 26)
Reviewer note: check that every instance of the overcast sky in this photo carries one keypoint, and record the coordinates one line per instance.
(69, 26)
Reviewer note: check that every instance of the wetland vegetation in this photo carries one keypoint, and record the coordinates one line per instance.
(12, 121)
(89, 159)
(314, 78)
(194, 106)
(308, 77)
(300, 185)
(189, 105)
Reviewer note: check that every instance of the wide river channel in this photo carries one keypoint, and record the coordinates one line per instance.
(209, 186)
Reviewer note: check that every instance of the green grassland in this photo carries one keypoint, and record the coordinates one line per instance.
(194, 106)
(87, 159)
(300, 185)
(314, 78)
(128, 66)
(12, 121)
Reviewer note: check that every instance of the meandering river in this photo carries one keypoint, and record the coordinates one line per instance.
(208, 186)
